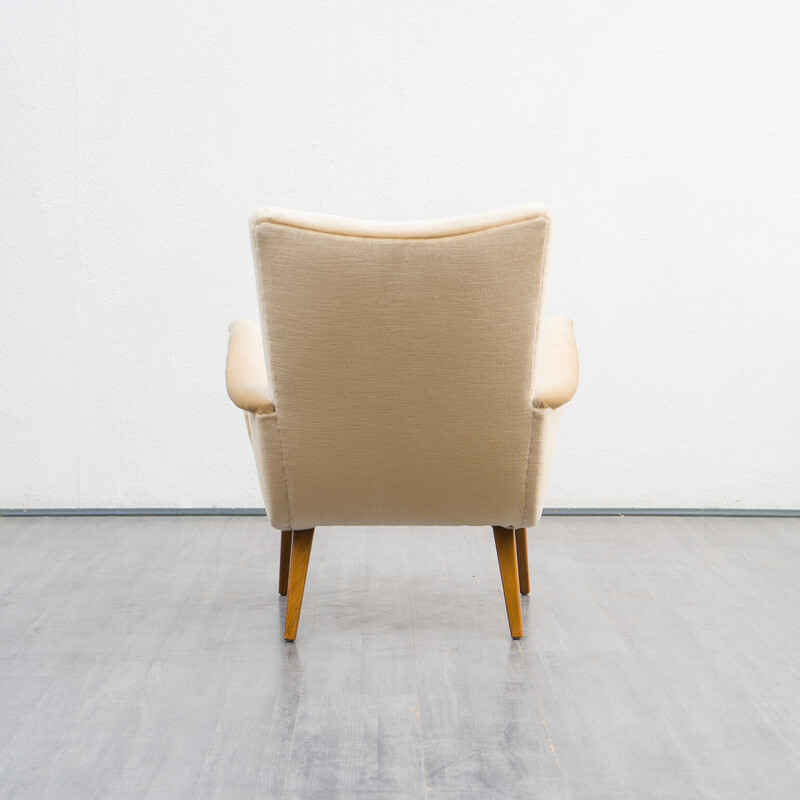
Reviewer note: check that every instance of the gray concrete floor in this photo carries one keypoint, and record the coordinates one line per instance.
(143, 657)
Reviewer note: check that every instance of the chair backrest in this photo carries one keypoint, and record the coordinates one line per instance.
(400, 357)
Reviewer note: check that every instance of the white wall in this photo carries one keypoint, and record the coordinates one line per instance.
(136, 138)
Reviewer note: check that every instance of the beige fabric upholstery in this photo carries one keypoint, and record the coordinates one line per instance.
(423, 229)
(246, 370)
(556, 378)
(400, 360)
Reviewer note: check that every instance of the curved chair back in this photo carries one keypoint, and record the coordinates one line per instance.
(400, 359)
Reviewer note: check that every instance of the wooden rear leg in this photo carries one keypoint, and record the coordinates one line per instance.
(521, 535)
(286, 553)
(298, 568)
(509, 575)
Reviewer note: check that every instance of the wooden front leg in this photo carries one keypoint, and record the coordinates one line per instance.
(509, 575)
(298, 568)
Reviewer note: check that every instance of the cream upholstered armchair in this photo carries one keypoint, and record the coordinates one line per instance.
(402, 375)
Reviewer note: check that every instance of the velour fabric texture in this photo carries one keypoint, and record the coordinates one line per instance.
(556, 374)
(398, 382)
(246, 369)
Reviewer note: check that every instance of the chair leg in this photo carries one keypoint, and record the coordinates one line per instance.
(286, 552)
(521, 535)
(298, 567)
(507, 558)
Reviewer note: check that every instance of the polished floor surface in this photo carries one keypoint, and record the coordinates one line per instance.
(143, 658)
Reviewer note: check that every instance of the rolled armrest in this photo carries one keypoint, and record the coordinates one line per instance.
(556, 365)
(246, 369)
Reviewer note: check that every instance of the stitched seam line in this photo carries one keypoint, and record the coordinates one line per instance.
(399, 236)
(285, 480)
(539, 314)
(527, 467)
(260, 282)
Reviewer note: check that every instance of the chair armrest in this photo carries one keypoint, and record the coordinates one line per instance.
(246, 369)
(556, 365)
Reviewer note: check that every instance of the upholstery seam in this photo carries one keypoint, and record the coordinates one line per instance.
(285, 479)
(540, 312)
(260, 280)
(527, 467)
(396, 237)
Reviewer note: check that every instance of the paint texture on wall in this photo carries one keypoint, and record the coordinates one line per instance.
(137, 140)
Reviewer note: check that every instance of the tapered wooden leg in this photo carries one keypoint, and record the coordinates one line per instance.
(521, 535)
(507, 558)
(298, 567)
(286, 553)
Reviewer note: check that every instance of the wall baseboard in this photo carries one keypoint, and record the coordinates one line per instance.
(259, 512)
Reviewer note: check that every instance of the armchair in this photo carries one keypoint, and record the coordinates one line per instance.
(402, 375)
